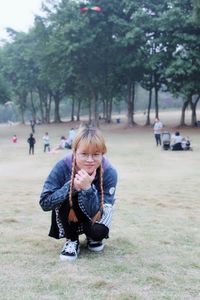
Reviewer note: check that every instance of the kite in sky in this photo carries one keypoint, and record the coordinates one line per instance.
(86, 8)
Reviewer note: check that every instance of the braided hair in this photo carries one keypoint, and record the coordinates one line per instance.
(90, 136)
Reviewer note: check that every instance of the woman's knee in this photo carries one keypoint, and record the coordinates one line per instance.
(98, 232)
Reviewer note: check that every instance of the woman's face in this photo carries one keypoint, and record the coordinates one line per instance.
(88, 158)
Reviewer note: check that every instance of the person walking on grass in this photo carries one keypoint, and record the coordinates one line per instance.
(31, 141)
(80, 192)
(157, 128)
(32, 124)
(46, 141)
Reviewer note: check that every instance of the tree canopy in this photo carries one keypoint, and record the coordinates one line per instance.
(93, 59)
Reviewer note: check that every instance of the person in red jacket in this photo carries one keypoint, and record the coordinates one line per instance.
(14, 138)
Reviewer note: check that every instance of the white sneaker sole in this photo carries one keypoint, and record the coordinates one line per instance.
(65, 258)
(96, 249)
(69, 258)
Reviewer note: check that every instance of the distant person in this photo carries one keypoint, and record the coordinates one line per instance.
(176, 143)
(70, 138)
(14, 138)
(38, 122)
(157, 128)
(46, 141)
(32, 124)
(61, 145)
(10, 123)
(186, 144)
(31, 140)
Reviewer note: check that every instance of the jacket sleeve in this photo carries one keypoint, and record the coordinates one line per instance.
(89, 200)
(56, 187)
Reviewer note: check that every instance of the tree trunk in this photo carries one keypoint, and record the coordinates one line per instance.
(156, 103)
(148, 121)
(185, 104)
(109, 115)
(104, 109)
(193, 114)
(41, 105)
(57, 106)
(48, 108)
(72, 111)
(130, 87)
(45, 105)
(32, 105)
(193, 108)
(78, 110)
(22, 105)
(22, 116)
(94, 113)
(90, 111)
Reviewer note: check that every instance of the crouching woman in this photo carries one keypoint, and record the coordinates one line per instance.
(80, 192)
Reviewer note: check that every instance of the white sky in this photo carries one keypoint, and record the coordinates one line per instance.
(18, 14)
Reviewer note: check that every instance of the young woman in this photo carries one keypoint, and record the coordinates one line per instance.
(80, 191)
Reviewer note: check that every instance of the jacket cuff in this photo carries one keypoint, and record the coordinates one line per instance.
(87, 192)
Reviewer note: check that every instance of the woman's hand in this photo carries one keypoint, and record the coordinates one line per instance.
(82, 180)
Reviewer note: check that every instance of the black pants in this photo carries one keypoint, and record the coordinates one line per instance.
(31, 149)
(46, 146)
(95, 231)
(177, 147)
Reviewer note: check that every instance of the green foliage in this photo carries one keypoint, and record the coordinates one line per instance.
(196, 4)
(183, 71)
(93, 56)
(4, 90)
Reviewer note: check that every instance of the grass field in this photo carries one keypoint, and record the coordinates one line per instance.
(154, 247)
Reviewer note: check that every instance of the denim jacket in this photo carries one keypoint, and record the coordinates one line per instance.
(56, 188)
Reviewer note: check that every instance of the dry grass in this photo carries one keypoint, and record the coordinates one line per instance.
(153, 251)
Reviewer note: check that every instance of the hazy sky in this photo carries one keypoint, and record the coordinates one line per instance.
(18, 14)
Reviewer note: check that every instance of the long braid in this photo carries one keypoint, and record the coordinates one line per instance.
(97, 217)
(72, 216)
(101, 187)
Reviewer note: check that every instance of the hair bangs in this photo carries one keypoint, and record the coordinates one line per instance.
(95, 143)
(90, 138)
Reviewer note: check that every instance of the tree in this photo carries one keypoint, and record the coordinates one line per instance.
(196, 10)
(183, 71)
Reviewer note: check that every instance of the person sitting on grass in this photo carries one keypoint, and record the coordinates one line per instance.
(177, 142)
(70, 138)
(80, 191)
(61, 145)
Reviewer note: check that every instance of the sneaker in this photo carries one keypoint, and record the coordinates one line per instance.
(70, 250)
(95, 246)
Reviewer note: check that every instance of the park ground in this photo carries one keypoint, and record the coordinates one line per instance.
(154, 247)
